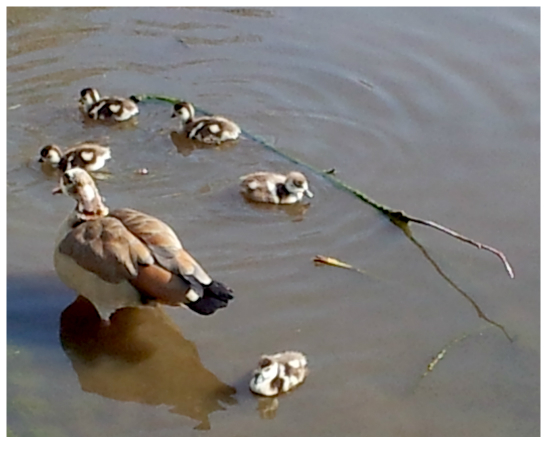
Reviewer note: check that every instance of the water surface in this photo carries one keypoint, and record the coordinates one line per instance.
(433, 111)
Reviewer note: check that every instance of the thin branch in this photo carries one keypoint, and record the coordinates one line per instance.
(394, 215)
(480, 313)
(463, 238)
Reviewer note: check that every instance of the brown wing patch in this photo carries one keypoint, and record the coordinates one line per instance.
(161, 240)
(149, 229)
(102, 110)
(77, 157)
(160, 284)
(106, 248)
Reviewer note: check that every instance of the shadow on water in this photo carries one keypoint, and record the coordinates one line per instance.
(33, 308)
(141, 357)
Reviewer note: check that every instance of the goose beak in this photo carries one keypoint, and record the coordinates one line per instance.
(308, 193)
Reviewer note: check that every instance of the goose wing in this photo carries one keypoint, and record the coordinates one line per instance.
(107, 248)
(164, 245)
(132, 246)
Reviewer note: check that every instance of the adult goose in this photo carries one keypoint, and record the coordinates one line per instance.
(125, 258)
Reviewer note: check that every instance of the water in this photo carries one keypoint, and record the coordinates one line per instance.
(433, 111)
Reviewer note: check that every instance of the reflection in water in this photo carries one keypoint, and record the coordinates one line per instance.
(267, 407)
(406, 230)
(141, 357)
(295, 211)
(49, 170)
(130, 124)
(251, 12)
(185, 146)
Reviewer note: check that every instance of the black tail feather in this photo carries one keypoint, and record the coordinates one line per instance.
(219, 290)
(215, 296)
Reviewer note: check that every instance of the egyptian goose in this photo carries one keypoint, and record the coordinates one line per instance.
(125, 258)
(211, 130)
(89, 156)
(275, 188)
(107, 108)
(279, 373)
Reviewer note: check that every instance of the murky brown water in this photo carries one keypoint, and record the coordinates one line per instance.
(434, 111)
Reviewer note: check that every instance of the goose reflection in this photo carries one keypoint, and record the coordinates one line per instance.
(141, 357)
(185, 146)
(267, 407)
(295, 211)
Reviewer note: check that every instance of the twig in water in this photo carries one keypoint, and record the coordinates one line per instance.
(406, 230)
(457, 235)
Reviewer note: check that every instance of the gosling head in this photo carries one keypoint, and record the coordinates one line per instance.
(88, 97)
(297, 183)
(51, 154)
(266, 378)
(184, 111)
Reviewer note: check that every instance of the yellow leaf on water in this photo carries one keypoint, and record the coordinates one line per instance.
(332, 262)
(327, 260)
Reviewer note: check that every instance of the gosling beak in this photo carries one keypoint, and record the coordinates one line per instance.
(308, 193)
(57, 190)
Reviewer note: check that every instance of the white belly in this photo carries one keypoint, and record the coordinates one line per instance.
(106, 297)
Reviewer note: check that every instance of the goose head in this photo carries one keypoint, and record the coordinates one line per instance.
(79, 185)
